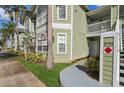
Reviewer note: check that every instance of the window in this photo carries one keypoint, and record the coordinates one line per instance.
(61, 43)
(42, 43)
(62, 12)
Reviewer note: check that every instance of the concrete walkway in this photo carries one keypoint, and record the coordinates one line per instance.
(14, 74)
(74, 77)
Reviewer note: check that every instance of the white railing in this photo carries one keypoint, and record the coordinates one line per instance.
(103, 26)
(121, 34)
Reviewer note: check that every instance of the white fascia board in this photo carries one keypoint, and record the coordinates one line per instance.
(62, 26)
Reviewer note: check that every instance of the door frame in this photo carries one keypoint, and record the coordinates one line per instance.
(116, 57)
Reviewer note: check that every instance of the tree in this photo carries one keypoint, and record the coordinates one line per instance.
(6, 31)
(50, 39)
(28, 41)
(17, 9)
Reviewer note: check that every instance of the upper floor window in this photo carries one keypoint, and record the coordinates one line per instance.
(62, 12)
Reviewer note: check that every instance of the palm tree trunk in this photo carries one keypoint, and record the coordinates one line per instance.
(17, 31)
(50, 59)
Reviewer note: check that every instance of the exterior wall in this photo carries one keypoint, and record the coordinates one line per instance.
(61, 58)
(55, 20)
(41, 25)
(80, 44)
(31, 32)
(114, 15)
(108, 62)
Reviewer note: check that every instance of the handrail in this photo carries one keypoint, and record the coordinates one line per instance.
(99, 23)
(100, 26)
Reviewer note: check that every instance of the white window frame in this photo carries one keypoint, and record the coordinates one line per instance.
(42, 46)
(66, 7)
(58, 52)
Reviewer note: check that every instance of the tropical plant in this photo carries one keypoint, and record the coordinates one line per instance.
(28, 41)
(17, 10)
(50, 59)
(6, 31)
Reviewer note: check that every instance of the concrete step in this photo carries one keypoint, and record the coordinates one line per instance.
(122, 79)
(122, 59)
(121, 54)
(121, 64)
(121, 71)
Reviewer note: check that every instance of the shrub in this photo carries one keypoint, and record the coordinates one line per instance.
(36, 57)
(19, 53)
(40, 58)
(93, 65)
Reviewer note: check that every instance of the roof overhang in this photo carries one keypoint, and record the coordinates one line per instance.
(100, 12)
(28, 13)
(85, 8)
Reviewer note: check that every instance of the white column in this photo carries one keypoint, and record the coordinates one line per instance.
(101, 60)
(116, 64)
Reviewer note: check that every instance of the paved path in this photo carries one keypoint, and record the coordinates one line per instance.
(14, 74)
(74, 77)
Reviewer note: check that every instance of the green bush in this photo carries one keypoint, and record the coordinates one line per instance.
(92, 65)
(40, 58)
(36, 57)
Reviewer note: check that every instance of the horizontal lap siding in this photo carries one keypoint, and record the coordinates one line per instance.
(41, 28)
(114, 14)
(61, 58)
(80, 44)
(108, 63)
(55, 20)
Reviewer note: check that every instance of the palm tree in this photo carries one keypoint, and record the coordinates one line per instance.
(6, 31)
(50, 39)
(17, 9)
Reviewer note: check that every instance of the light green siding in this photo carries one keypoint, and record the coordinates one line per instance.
(114, 15)
(55, 20)
(80, 44)
(61, 58)
(108, 62)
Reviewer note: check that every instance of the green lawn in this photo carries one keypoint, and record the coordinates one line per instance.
(49, 77)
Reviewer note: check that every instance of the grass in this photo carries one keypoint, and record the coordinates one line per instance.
(49, 77)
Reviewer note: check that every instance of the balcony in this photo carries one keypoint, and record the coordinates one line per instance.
(100, 27)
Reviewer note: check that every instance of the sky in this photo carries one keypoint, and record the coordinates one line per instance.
(93, 7)
(4, 17)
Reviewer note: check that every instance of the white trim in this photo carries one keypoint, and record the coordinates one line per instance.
(65, 44)
(101, 60)
(63, 26)
(36, 32)
(71, 31)
(58, 13)
(98, 23)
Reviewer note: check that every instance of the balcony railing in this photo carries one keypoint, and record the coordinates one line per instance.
(103, 26)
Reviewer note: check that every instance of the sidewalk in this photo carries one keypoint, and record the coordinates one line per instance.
(73, 77)
(14, 74)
